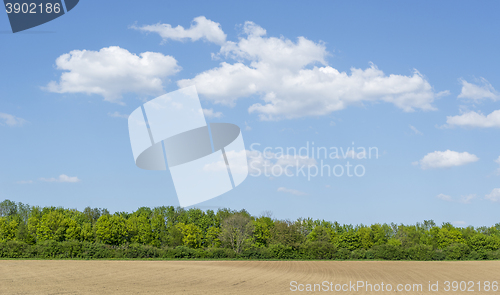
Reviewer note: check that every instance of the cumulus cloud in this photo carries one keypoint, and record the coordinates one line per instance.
(118, 115)
(61, 178)
(113, 71)
(201, 28)
(474, 119)
(293, 79)
(291, 191)
(416, 130)
(446, 159)
(494, 196)
(11, 120)
(478, 92)
(209, 113)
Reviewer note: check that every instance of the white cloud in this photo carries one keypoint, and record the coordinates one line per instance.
(494, 196)
(201, 28)
(291, 191)
(467, 199)
(463, 199)
(477, 92)
(211, 114)
(11, 120)
(118, 115)
(473, 119)
(113, 71)
(61, 178)
(416, 130)
(446, 159)
(286, 75)
(247, 127)
(444, 197)
(459, 223)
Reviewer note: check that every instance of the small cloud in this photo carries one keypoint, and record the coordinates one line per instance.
(445, 159)
(247, 127)
(24, 181)
(211, 114)
(327, 186)
(416, 130)
(444, 197)
(61, 178)
(291, 191)
(11, 120)
(473, 119)
(467, 199)
(463, 199)
(201, 28)
(477, 92)
(494, 196)
(332, 123)
(459, 223)
(118, 115)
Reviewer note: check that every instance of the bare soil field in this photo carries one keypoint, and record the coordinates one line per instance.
(244, 277)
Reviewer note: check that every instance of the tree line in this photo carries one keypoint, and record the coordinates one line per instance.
(168, 232)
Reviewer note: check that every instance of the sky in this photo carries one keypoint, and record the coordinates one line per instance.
(416, 83)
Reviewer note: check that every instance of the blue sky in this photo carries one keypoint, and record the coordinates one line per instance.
(424, 91)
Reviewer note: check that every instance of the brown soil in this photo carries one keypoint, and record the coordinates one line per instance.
(237, 277)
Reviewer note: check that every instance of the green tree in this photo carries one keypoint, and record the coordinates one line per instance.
(349, 240)
(191, 234)
(111, 229)
(212, 237)
(262, 231)
(447, 236)
(320, 234)
(236, 230)
(286, 233)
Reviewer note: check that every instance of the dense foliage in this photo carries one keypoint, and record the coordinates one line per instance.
(168, 232)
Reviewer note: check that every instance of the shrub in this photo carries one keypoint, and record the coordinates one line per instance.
(358, 254)
(280, 251)
(220, 253)
(343, 254)
(457, 251)
(256, 253)
(48, 249)
(318, 250)
(421, 252)
(388, 252)
(439, 255)
(15, 249)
